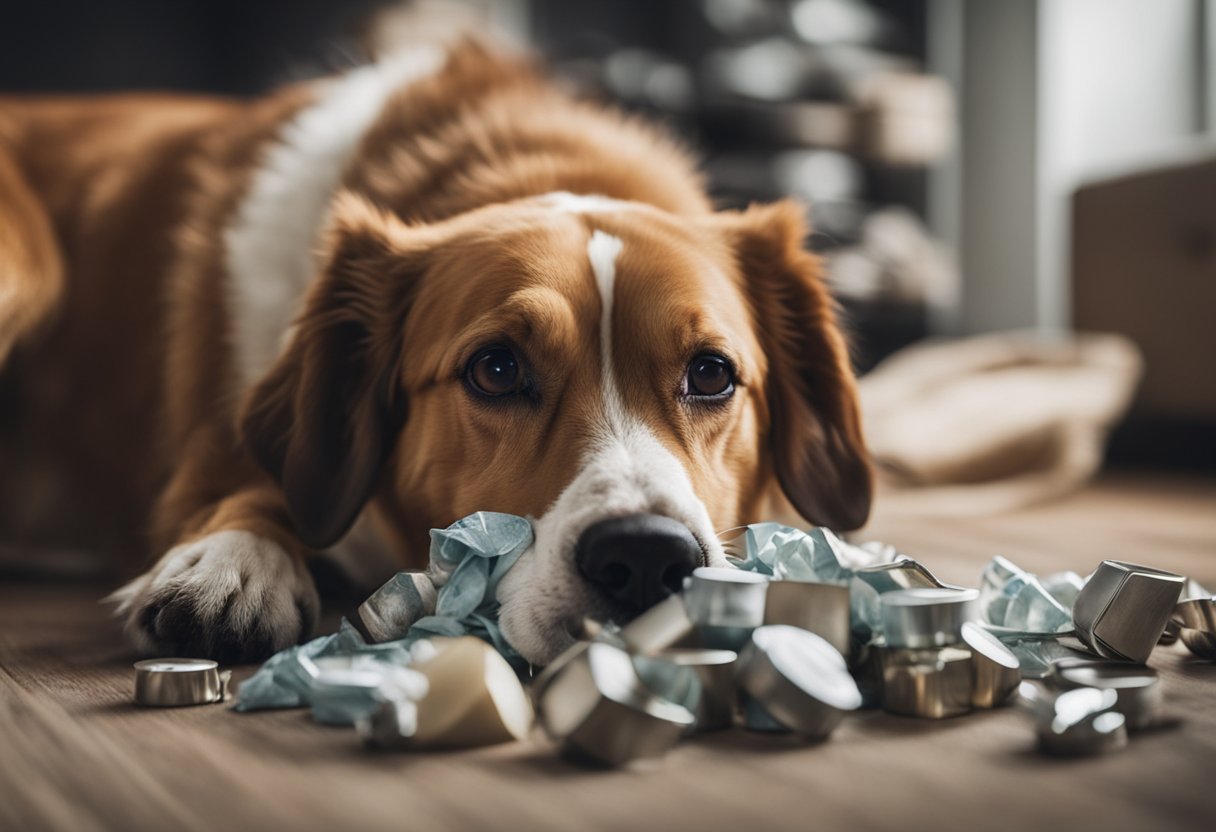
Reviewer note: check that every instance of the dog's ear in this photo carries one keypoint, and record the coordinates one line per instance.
(815, 431)
(323, 420)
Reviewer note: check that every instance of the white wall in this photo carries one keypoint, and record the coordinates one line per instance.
(1118, 89)
(1052, 93)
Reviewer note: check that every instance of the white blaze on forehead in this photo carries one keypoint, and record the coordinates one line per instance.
(602, 251)
(627, 470)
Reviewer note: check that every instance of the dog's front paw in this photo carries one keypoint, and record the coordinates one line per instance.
(230, 596)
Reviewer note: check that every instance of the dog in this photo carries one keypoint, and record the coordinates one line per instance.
(241, 333)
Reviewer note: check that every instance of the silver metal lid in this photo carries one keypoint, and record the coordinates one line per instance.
(658, 628)
(931, 683)
(177, 682)
(717, 596)
(1123, 609)
(701, 680)
(823, 609)
(927, 617)
(1080, 722)
(995, 670)
(1138, 688)
(1196, 614)
(1196, 622)
(798, 678)
(600, 709)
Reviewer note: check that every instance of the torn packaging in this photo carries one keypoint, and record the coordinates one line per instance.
(468, 559)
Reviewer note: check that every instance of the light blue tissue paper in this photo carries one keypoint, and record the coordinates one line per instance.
(284, 679)
(468, 559)
(1014, 598)
(465, 589)
(789, 554)
(486, 534)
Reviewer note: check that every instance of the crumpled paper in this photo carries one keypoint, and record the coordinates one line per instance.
(349, 688)
(284, 679)
(468, 560)
(787, 553)
(1013, 598)
(1032, 616)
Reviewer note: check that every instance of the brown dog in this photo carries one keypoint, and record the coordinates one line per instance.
(432, 286)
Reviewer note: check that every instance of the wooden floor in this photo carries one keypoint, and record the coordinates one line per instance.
(76, 755)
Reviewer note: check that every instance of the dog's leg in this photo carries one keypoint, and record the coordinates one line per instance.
(235, 589)
(31, 267)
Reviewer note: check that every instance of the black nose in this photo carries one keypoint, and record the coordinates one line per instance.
(638, 560)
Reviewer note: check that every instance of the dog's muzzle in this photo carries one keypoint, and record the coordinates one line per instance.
(638, 560)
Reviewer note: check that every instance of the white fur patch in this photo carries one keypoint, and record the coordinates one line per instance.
(232, 579)
(587, 203)
(271, 245)
(627, 470)
(602, 251)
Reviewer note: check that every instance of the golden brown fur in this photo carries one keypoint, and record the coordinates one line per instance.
(113, 288)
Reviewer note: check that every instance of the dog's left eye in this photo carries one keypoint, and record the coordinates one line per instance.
(495, 372)
(710, 376)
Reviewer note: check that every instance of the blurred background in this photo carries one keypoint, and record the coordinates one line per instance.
(1043, 166)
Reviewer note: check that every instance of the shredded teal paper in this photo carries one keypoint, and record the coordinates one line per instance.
(283, 681)
(819, 556)
(789, 554)
(468, 560)
(1014, 598)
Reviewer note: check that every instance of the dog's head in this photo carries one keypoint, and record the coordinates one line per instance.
(630, 379)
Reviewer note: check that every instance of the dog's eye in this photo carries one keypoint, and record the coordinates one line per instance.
(710, 376)
(495, 372)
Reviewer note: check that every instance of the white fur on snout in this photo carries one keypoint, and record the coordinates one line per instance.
(626, 470)
(231, 579)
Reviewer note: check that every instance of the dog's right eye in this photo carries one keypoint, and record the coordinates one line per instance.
(495, 371)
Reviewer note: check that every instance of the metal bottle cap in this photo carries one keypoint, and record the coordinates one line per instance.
(176, 682)
(755, 718)
(1080, 722)
(599, 708)
(665, 624)
(721, 596)
(1123, 609)
(926, 617)
(995, 670)
(1196, 620)
(699, 679)
(1138, 688)
(725, 604)
(822, 609)
(798, 678)
(932, 683)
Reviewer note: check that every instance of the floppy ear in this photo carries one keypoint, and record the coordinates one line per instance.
(323, 420)
(815, 434)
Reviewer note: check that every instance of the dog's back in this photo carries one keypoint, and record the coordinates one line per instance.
(94, 195)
